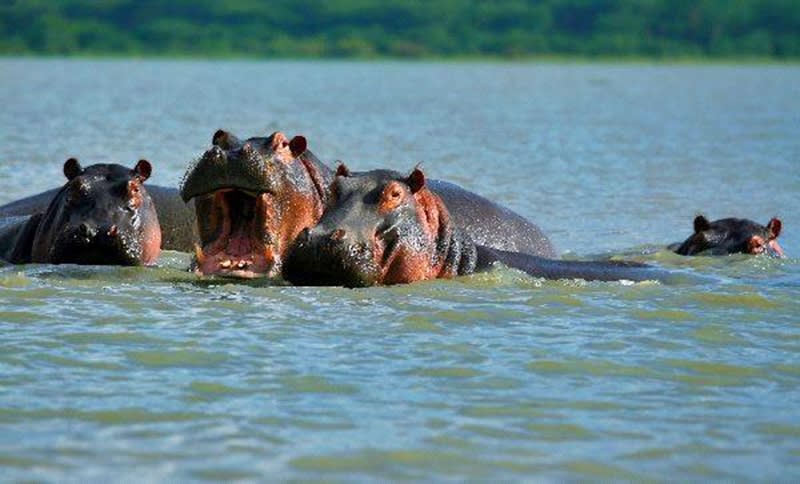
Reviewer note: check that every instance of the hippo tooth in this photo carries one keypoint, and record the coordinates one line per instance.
(198, 253)
(241, 264)
(225, 264)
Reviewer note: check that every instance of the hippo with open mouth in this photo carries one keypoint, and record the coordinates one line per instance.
(253, 197)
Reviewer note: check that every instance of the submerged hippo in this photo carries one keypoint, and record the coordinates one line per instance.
(385, 228)
(176, 218)
(732, 236)
(102, 215)
(254, 196)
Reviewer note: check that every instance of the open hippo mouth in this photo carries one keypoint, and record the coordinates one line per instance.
(252, 198)
(236, 240)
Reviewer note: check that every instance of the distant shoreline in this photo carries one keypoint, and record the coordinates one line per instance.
(661, 31)
(544, 59)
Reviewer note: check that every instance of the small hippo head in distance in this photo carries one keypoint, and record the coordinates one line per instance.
(732, 236)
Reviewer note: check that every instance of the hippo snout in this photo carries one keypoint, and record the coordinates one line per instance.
(304, 236)
(317, 237)
(333, 243)
(87, 231)
(330, 257)
(338, 235)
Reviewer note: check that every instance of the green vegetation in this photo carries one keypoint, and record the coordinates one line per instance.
(403, 28)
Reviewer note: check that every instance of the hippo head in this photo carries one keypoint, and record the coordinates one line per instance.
(380, 227)
(732, 236)
(103, 215)
(252, 198)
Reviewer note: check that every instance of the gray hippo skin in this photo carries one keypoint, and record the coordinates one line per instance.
(177, 219)
(383, 228)
(731, 236)
(102, 215)
(254, 196)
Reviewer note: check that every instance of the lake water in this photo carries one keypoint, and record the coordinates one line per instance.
(149, 374)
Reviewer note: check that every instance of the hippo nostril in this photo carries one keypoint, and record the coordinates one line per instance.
(338, 234)
(304, 236)
(775, 249)
(756, 245)
(86, 230)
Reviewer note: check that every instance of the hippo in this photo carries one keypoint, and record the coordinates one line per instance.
(254, 196)
(102, 215)
(384, 228)
(176, 218)
(731, 236)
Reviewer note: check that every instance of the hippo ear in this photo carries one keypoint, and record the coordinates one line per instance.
(701, 223)
(416, 180)
(342, 170)
(224, 139)
(298, 145)
(142, 170)
(774, 226)
(218, 137)
(72, 168)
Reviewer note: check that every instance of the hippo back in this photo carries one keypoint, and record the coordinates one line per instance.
(28, 205)
(16, 236)
(177, 218)
(490, 224)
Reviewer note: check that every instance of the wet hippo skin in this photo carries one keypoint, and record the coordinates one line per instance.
(384, 228)
(731, 236)
(177, 219)
(254, 196)
(102, 215)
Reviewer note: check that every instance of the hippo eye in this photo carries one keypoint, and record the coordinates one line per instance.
(133, 195)
(133, 188)
(333, 194)
(391, 197)
(77, 191)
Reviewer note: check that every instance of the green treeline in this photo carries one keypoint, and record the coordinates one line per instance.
(403, 28)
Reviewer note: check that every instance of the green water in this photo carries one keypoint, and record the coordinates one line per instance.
(150, 374)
